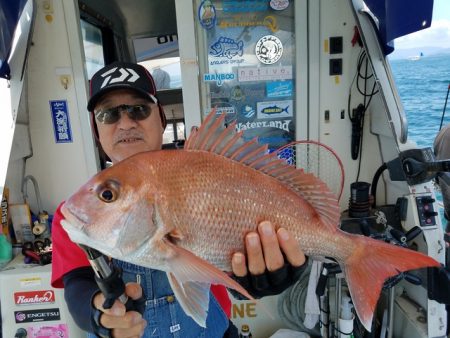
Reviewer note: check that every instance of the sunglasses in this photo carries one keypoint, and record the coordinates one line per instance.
(136, 112)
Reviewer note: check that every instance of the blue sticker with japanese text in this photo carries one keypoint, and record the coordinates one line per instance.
(61, 121)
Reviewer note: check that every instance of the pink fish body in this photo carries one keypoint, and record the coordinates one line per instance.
(187, 211)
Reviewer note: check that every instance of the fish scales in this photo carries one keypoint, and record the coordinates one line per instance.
(221, 200)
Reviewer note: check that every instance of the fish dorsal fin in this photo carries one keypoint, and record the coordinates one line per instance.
(213, 136)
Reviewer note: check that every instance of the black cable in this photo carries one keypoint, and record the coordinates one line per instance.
(358, 120)
(373, 188)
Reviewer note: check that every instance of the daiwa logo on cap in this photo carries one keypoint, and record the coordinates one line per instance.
(122, 75)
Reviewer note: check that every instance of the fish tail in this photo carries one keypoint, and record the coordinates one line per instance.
(366, 271)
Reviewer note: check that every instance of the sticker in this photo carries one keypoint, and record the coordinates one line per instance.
(234, 6)
(223, 108)
(34, 297)
(236, 93)
(37, 315)
(207, 14)
(227, 47)
(279, 88)
(248, 111)
(279, 5)
(244, 21)
(246, 74)
(219, 78)
(269, 49)
(175, 328)
(61, 121)
(48, 331)
(30, 282)
(282, 124)
(274, 109)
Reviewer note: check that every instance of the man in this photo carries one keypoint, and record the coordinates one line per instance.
(128, 119)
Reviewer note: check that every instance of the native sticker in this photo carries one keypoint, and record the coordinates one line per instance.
(207, 14)
(279, 5)
(269, 49)
(227, 47)
(274, 109)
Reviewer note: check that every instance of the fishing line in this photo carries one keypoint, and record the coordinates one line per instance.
(445, 107)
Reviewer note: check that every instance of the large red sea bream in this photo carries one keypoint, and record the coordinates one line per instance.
(187, 211)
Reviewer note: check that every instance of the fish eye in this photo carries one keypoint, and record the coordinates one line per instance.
(108, 192)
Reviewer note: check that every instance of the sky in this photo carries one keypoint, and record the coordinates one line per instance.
(438, 35)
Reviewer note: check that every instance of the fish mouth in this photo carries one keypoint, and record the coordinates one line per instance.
(73, 218)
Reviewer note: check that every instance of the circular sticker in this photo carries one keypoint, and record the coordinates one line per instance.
(279, 5)
(269, 49)
(207, 14)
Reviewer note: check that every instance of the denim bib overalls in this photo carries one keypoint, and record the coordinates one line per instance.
(163, 313)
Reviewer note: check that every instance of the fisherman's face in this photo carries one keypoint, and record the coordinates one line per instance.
(127, 136)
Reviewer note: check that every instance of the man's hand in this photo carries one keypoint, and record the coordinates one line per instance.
(121, 323)
(264, 268)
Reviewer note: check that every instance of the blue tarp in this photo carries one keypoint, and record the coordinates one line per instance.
(10, 11)
(400, 17)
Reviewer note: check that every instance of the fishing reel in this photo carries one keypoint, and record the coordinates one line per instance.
(416, 166)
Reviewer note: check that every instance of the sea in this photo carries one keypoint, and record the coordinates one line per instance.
(423, 85)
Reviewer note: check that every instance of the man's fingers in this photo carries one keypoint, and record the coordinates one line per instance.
(290, 247)
(271, 249)
(133, 290)
(255, 257)
(118, 309)
(239, 264)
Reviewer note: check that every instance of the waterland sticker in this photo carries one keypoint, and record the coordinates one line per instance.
(274, 109)
(279, 124)
(246, 74)
(207, 14)
(219, 78)
(279, 88)
(269, 49)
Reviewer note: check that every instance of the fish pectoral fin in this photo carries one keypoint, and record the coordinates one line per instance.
(191, 277)
(193, 298)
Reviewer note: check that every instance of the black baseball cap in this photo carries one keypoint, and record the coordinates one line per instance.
(123, 75)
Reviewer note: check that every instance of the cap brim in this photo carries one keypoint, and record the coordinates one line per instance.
(94, 99)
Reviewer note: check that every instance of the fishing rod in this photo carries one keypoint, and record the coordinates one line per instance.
(445, 107)
(110, 283)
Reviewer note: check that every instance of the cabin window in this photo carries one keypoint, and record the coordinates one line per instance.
(160, 56)
(247, 65)
(174, 134)
(93, 47)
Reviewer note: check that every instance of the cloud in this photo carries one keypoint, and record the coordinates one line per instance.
(438, 35)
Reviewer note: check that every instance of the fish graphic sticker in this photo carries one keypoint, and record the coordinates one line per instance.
(227, 47)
